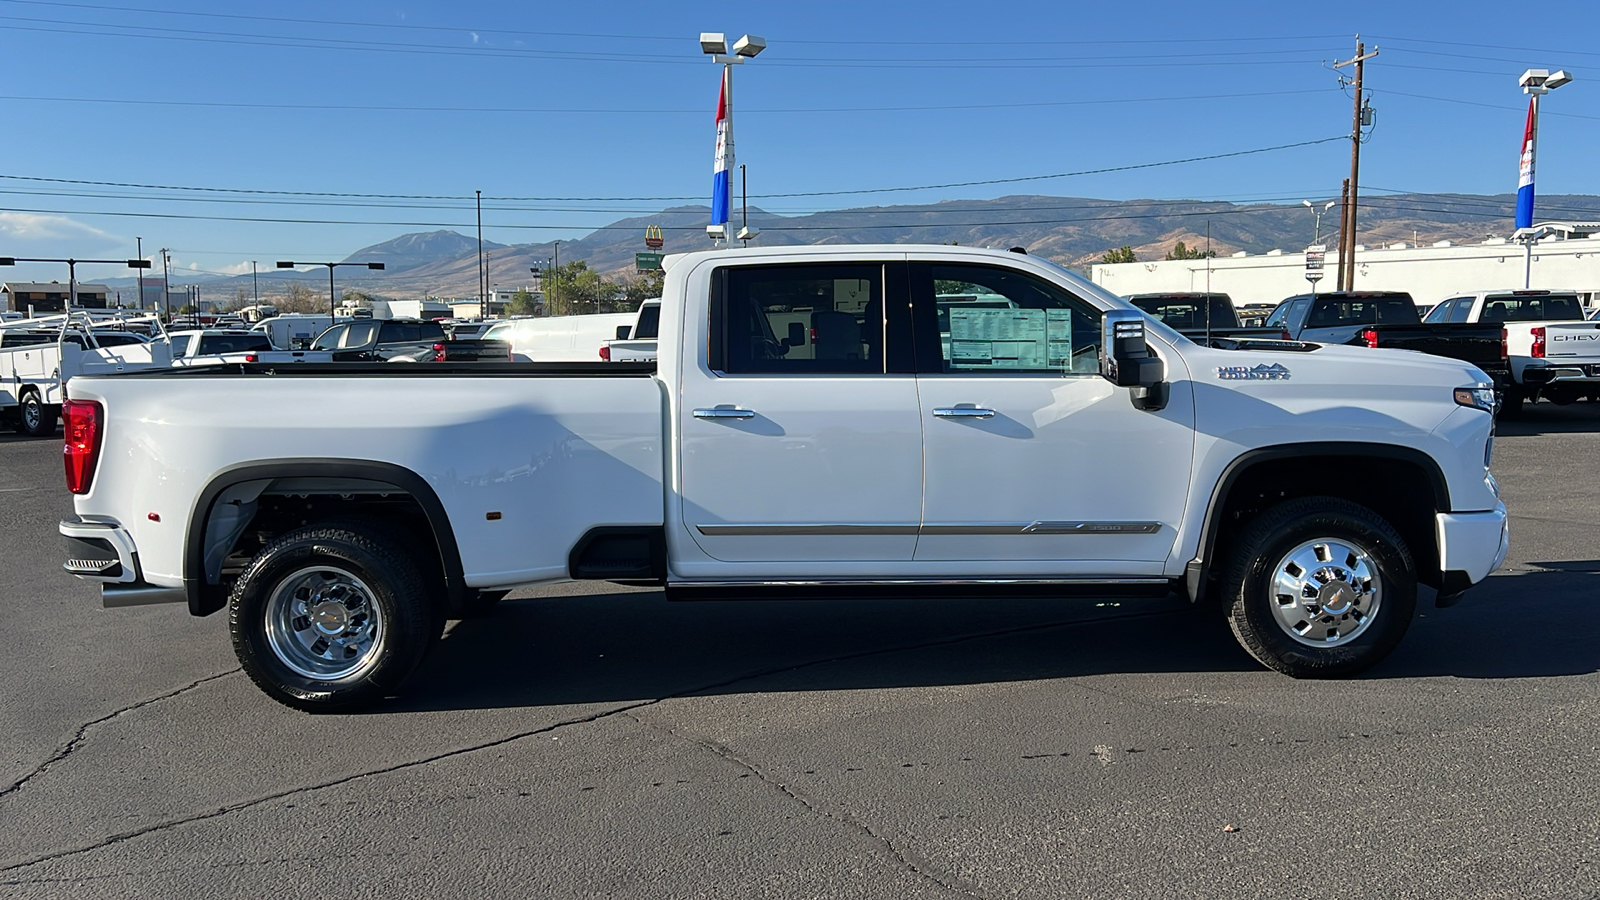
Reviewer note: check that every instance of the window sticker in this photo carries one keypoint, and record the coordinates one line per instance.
(1036, 339)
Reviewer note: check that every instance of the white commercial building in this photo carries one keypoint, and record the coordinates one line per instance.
(1568, 258)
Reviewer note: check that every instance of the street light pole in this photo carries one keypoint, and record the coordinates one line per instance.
(1535, 83)
(166, 286)
(72, 270)
(332, 313)
(715, 45)
(1316, 231)
(255, 286)
(482, 307)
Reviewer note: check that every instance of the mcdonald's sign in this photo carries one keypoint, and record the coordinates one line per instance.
(652, 237)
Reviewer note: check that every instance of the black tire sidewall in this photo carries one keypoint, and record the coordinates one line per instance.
(398, 593)
(33, 401)
(1280, 530)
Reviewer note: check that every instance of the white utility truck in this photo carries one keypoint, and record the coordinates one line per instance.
(39, 356)
(1553, 353)
(814, 425)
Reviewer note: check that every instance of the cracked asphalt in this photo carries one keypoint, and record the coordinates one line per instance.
(596, 741)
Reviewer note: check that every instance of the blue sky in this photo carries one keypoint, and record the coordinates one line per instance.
(614, 100)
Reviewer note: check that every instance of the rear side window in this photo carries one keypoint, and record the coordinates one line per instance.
(180, 345)
(399, 332)
(798, 319)
(358, 334)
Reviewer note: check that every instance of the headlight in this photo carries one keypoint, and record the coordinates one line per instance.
(1478, 396)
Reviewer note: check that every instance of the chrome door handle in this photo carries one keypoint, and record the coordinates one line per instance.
(963, 412)
(723, 412)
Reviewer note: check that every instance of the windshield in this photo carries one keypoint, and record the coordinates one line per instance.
(1332, 311)
(232, 343)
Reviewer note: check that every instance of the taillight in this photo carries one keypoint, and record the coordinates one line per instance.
(1505, 341)
(251, 357)
(1538, 342)
(1370, 335)
(605, 353)
(81, 419)
(438, 353)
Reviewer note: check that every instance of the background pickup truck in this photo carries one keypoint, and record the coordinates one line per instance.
(397, 340)
(1199, 315)
(822, 420)
(1389, 320)
(1551, 351)
(639, 343)
(39, 356)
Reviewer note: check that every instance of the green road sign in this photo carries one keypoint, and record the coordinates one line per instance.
(647, 261)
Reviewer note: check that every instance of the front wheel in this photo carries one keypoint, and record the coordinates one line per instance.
(1320, 588)
(330, 618)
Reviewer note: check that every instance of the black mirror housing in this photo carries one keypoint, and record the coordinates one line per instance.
(1126, 359)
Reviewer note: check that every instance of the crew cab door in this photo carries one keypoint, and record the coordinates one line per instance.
(800, 437)
(1033, 461)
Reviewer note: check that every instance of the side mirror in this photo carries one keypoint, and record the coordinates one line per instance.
(797, 336)
(1126, 360)
(623, 331)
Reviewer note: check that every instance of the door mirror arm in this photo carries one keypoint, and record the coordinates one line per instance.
(1126, 359)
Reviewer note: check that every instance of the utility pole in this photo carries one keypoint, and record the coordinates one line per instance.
(138, 279)
(1347, 224)
(483, 310)
(166, 286)
(255, 286)
(555, 272)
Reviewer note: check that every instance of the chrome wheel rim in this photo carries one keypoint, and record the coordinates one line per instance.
(1326, 592)
(323, 623)
(32, 415)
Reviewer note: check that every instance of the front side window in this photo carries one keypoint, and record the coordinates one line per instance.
(1441, 313)
(798, 319)
(180, 345)
(329, 340)
(993, 319)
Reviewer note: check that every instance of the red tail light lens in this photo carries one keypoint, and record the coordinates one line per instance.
(1538, 342)
(251, 357)
(1370, 335)
(81, 419)
(1505, 340)
(438, 353)
(605, 353)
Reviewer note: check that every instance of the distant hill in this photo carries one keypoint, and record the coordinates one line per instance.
(1074, 231)
(411, 250)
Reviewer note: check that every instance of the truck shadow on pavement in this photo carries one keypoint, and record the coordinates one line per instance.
(611, 644)
(1548, 418)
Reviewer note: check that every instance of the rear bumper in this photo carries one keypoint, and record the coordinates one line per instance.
(104, 553)
(1577, 373)
(1471, 546)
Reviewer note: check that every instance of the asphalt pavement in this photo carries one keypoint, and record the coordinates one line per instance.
(597, 741)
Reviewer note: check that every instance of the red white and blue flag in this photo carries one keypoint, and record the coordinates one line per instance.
(1525, 179)
(722, 168)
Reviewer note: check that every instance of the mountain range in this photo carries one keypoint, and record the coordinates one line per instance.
(1074, 231)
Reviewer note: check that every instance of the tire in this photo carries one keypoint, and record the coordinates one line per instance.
(35, 417)
(1511, 400)
(1364, 584)
(367, 617)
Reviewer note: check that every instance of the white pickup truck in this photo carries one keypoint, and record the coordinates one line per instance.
(809, 428)
(639, 344)
(1551, 351)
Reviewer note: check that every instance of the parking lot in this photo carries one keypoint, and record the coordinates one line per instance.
(591, 740)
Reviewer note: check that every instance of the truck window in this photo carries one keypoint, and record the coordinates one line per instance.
(798, 319)
(329, 340)
(1333, 311)
(231, 343)
(1189, 311)
(1441, 313)
(433, 331)
(649, 323)
(358, 335)
(180, 345)
(1531, 307)
(1035, 327)
(398, 333)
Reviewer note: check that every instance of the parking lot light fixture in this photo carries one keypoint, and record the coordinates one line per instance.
(332, 312)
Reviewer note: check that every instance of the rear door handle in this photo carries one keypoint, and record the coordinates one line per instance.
(723, 412)
(963, 412)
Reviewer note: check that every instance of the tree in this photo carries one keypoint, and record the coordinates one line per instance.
(302, 299)
(523, 303)
(641, 287)
(354, 298)
(1179, 251)
(1123, 254)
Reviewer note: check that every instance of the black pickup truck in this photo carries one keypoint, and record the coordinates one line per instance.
(1389, 319)
(1199, 315)
(392, 340)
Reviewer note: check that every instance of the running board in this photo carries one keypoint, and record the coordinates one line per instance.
(914, 589)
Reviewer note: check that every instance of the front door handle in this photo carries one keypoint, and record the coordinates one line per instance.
(963, 412)
(724, 412)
